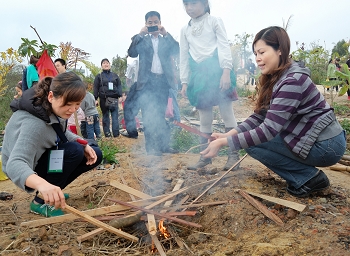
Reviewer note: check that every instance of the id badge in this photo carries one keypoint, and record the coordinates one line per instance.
(56, 161)
(110, 85)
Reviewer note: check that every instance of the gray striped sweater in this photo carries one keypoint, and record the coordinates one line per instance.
(298, 112)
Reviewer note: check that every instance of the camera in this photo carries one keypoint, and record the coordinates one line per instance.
(152, 28)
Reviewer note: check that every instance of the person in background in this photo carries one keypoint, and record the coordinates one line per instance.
(32, 76)
(293, 129)
(206, 72)
(348, 63)
(24, 79)
(72, 125)
(91, 123)
(131, 105)
(174, 91)
(251, 72)
(331, 68)
(46, 157)
(60, 65)
(155, 47)
(18, 89)
(122, 101)
(108, 84)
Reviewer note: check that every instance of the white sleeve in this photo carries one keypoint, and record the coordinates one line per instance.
(224, 50)
(184, 56)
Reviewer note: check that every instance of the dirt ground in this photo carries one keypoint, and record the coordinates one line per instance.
(232, 228)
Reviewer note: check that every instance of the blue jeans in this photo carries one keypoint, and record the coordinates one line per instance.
(296, 171)
(92, 126)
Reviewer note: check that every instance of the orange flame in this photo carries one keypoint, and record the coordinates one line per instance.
(163, 229)
(153, 248)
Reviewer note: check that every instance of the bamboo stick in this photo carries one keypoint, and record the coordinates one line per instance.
(293, 205)
(261, 208)
(212, 185)
(101, 224)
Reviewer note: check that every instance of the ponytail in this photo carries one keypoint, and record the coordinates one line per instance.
(42, 90)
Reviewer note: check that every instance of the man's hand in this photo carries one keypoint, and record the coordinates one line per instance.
(162, 30)
(143, 31)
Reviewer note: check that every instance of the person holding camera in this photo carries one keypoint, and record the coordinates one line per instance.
(108, 87)
(155, 47)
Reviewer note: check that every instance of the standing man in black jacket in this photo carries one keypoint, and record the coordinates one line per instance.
(107, 84)
(155, 48)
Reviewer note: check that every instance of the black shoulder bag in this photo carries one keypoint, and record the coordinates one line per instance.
(110, 102)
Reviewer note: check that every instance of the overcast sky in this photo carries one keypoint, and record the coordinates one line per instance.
(104, 27)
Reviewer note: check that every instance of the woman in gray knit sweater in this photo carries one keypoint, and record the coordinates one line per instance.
(38, 152)
(293, 128)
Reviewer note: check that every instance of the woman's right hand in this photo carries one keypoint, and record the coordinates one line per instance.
(184, 90)
(51, 194)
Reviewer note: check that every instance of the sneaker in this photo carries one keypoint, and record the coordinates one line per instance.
(45, 210)
(126, 134)
(317, 183)
(200, 164)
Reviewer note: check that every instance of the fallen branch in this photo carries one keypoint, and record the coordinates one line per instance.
(163, 215)
(261, 208)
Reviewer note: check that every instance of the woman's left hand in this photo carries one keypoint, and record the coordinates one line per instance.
(214, 147)
(90, 155)
(225, 81)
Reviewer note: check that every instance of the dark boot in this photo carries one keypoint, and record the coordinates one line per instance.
(202, 160)
(233, 157)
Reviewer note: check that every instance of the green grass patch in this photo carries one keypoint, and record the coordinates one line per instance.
(109, 151)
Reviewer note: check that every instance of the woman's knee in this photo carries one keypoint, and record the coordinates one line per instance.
(73, 150)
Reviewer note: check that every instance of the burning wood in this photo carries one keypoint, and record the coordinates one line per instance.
(163, 230)
(158, 214)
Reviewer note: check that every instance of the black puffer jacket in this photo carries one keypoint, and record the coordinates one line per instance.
(101, 89)
(27, 103)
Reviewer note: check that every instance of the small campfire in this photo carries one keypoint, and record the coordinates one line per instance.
(150, 236)
(163, 230)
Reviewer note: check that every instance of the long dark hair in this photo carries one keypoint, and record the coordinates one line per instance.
(67, 85)
(278, 39)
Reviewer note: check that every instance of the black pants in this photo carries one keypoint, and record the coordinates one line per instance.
(74, 164)
(153, 101)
